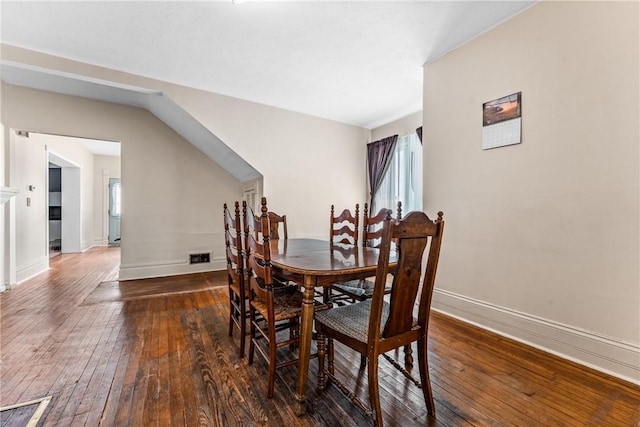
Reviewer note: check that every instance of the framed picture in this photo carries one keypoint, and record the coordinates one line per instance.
(502, 121)
(501, 109)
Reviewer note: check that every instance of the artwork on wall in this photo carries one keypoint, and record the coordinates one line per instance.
(502, 121)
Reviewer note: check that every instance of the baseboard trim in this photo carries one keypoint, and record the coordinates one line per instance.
(169, 268)
(605, 354)
(98, 242)
(33, 269)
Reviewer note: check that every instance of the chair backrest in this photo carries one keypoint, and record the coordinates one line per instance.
(257, 251)
(274, 225)
(372, 227)
(344, 227)
(233, 243)
(413, 235)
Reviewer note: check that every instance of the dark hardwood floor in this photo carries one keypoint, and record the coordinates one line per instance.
(156, 352)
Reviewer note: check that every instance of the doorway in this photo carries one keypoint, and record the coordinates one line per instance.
(114, 211)
(66, 205)
(55, 210)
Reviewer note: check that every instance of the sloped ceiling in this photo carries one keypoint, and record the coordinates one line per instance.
(157, 103)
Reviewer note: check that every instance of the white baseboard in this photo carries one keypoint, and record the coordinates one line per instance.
(98, 242)
(169, 268)
(605, 354)
(32, 269)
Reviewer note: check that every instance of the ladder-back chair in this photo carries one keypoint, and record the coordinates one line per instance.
(274, 226)
(376, 326)
(273, 306)
(238, 313)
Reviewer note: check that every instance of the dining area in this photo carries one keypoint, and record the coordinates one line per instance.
(158, 351)
(368, 287)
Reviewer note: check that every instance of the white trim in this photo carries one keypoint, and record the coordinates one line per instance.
(169, 268)
(37, 414)
(34, 268)
(7, 193)
(97, 242)
(607, 354)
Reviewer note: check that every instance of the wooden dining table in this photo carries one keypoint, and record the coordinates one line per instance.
(316, 263)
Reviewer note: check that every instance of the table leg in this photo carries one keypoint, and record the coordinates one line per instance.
(306, 331)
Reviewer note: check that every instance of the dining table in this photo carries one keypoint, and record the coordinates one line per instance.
(314, 263)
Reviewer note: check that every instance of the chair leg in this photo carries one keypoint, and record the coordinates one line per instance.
(321, 343)
(363, 361)
(243, 324)
(231, 312)
(423, 365)
(374, 391)
(326, 295)
(252, 334)
(272, 358)
(331, 355)
(408, 357)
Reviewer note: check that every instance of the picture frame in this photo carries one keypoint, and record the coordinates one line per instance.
(499, 110)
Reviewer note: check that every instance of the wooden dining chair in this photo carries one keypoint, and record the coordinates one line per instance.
(376, 326)
(343, 230)
(276, 222)
(362, 289)
(344, 227)
(273, 306)
(238, 293)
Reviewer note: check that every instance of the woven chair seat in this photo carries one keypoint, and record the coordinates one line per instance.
(236, 289)
(361, 289)
(287, 304)
(352, 320)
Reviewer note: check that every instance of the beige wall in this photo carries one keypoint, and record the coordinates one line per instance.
(31, 170)
(310, 161)
(31, 161)
(541, 241)
(403, 126)
(172, 194)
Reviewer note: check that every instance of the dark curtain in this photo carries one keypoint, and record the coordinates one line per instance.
(379, 154)
(419, 132)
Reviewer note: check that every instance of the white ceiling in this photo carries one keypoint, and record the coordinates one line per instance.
(351, 61)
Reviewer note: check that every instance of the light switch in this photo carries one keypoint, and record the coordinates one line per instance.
(28, 201)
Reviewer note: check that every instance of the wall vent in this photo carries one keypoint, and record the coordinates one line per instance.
(199, 258)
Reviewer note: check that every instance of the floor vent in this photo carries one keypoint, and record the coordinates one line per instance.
(199, 258)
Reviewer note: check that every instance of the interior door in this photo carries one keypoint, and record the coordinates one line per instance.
(114, 211)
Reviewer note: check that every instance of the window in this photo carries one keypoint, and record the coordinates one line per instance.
(403, 180)
(115, 199)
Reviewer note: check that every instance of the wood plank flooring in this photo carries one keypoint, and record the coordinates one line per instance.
(156, 352)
